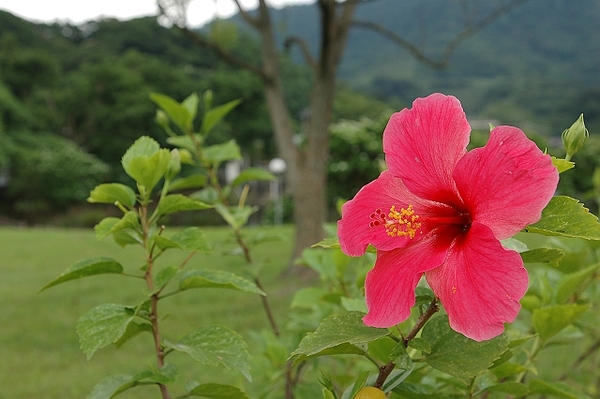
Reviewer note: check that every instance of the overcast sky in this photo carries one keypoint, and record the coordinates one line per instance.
(78, 11)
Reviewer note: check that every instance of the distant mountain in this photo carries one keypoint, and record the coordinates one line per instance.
(540, 62)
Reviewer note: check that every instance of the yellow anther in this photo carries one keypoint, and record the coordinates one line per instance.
(402, 223)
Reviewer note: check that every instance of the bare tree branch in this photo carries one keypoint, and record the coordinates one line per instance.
(246, 16)
(303, 48)
(225, 55)
(443, 61)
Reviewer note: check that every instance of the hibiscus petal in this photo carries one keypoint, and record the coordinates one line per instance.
(354, 231)
(390, 285)
(507, 183)
(424, 144)
(480, 284)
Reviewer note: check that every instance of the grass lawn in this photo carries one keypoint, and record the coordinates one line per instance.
(40, 349)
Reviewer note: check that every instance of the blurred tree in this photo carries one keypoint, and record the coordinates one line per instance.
(306, 152)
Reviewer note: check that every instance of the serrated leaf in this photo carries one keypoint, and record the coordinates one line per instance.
(147, 171)
(551, 320)
(200, 278)
(571, 283)
(567, 217)
(457, 355)
(128, 221)
(559, 389)
(178, 113)
(112, 192)
(216, 345)
(143, 147)
(215, 154)
(110, 387)
(121, 237)
(252, 174)
(193, 181)
(86, 268)
(178, 203)
(338, 329)
(214, 116)
(191, 239)
(218, 391)
(562, 164)
(543, 255)
(102, 326)
(512, 388)
(133, 329)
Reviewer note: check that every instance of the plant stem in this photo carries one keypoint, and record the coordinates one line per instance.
(386, 370)
(160, 354)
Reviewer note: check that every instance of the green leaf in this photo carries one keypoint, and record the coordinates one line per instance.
(121, 237)
(457, 355)
(420, 344)
(179, 114)
(214, 116)
(562, 164)
(252, 174)
(360, 382)
(86, 268)
(216, 345)
(133, 329)
(186, 142)
(200, 278)
(401, 357)
(559, 389)
(165, 275)
(543, 255)
(215, 154)
(147, 171)
(395, 378)
(236, 217)
(567, 217)
(512, 388)
(571, 283)
(143, 147)
(102, 326)
(193, 181)
(166, 375)
(146, 162)
(308, 297)
(177, 203)
(327, 243)
(129, 221)
(112, 386)
(551, 320)
(191, 239)
(191, 105)
(111, 193)
(218, 391)
(338, 329)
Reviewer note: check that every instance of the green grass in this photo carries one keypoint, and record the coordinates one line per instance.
(40, 349)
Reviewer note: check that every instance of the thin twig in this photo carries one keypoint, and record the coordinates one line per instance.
(385, 370)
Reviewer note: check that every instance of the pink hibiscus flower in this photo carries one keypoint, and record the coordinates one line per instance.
(441, 211)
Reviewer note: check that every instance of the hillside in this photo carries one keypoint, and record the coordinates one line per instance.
(538, 63)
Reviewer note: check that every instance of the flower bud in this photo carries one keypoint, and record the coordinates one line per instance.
(575, 137)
